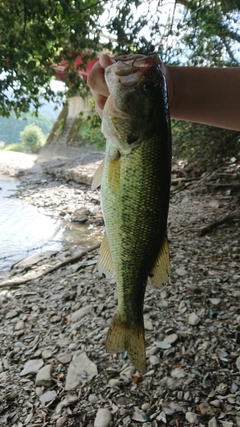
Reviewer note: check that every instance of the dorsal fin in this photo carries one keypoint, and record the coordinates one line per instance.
(160, 272)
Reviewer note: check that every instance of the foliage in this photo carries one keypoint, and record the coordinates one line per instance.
(16, 146)
(10, 127)
(90, 130)
(35, 35)
(32, 138)
(203, 144)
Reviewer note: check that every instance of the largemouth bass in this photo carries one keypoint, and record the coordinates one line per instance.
(135, 190)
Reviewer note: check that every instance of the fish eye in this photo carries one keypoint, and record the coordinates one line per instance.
(148, 86)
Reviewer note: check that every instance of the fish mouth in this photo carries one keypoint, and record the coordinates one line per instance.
(128, 69)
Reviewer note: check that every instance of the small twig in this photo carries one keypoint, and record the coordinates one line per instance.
(208, 228)
(76, 258)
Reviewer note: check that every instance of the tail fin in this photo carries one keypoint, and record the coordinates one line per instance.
(121, 338)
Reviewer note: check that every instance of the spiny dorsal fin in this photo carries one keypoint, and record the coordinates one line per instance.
(160, 272)
(121, 338)
(97, 178)
(105, 263)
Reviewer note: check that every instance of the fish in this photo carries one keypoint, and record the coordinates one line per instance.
(135, 190)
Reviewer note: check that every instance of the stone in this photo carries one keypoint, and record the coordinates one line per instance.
(81, 370)
(181, 271)
(83, 311)
(212, 422)
(191, 417)
(46, 354)
(172, 338)
(44, 376)
(238, 363)
(193, 319)
(19, 325)
(32, 367)
(154, 360)
(48, 396)
(65, 358)
(178, 373)
(103, 418)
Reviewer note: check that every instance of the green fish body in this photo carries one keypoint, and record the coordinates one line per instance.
(135, 190)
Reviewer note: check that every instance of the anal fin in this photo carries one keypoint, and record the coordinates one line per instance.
(160, 272)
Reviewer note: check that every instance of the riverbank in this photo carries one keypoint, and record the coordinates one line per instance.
(54, 369)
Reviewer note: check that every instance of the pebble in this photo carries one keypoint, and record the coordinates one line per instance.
(44, 376)
(47, 354)
(19, 325)
(65, 358)
(212, 422)
(146, 406)
(128, 372)
(92, 398)
(154, 360)
(193, 319)
(215, 403)
(81, 313)
(172, 338)
(61, 422)
(238, 363)
(178, 373)
(81, 370)
(181, 271)
(191, 417)
(103, 418)
(48, 396)
(32, 367)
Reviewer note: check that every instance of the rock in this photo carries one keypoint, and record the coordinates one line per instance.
(238, 421)
(61, 422)
(81, 313)
(193, 319)
(191, 417)
(172, 338)
(212, 422)
(81, 370)
(181, 271)
(163, 345)
(67, 401)
(178, 373)
(32, 367)
(103, 418)
(238, 363)
(154, 360)
(128, 372)
(44, 376)
(47, 354)
(19, 325)
(48, 396)
(92, 398)
(65, 358)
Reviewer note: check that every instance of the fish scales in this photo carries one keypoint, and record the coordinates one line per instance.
(135, 197)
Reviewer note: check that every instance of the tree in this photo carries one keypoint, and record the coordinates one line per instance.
(36, 34)
(33, 138)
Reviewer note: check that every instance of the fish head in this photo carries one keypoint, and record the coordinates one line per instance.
(137, 97)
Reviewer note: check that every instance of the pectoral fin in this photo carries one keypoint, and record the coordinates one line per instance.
(97, 178)
(160, 272)
(105, 263)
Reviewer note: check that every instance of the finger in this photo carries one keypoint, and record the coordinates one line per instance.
(100, 101)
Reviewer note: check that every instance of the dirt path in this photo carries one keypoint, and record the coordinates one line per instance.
(53, 366)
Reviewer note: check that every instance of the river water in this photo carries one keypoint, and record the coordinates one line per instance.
(25, 231)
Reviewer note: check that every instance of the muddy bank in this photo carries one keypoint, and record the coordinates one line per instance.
(54, 369)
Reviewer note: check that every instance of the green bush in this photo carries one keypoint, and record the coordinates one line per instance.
(33, 138)
(17, 146)
(2, 145)
(203, 145)
(90, 130)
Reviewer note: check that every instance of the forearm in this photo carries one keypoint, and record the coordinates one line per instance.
(205, 95)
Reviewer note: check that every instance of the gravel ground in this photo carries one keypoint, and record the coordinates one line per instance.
(54, 370)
